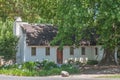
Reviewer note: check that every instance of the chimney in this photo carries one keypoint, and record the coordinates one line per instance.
(16, 26)
(18, 19)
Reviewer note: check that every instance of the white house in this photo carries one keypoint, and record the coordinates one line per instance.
(34, 45)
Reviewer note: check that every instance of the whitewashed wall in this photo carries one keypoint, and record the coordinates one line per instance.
(53, 54)
(17, 31)
(100, 53)
(41, 54)
(89, 53)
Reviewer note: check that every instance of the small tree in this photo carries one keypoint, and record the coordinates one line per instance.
(8, 41)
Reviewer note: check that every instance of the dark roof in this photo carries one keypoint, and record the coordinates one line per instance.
(37, 35)
(91, 37)
(42, 34)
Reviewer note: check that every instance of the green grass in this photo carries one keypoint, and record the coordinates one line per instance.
(26, 72)
(110, 76)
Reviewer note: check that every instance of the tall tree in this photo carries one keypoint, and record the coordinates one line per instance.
(73, 17)
(29, 10)
(108, 22)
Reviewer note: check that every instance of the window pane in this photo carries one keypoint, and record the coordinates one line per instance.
(96, 51)
(71, 51)
(47, 51)
(33, 51)
(83, 50)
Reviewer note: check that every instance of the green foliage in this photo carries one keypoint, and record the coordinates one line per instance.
(28, 69)
(46, 65)
(40, 11)
(71, 16)
(108, 20)
(9, 66)
(70, 68)
(50, 65)
(65, 66)
(8, 41)
(18, 72)
(54, 71)
(92, 62)
(28, 65)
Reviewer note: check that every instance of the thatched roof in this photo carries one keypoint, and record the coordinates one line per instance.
(37, 35)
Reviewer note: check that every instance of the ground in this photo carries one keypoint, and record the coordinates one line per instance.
(71, 77)
(111, 69)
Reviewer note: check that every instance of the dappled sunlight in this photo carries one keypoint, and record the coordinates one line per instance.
(83, 60)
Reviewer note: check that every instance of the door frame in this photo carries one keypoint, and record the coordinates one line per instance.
(59, 56)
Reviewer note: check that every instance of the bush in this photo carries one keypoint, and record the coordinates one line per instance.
(92, 62)
(29, 65)
(49, 65)
(28, 69)
(9, 66)
(70, 68)
(54, 71)
(64, 66)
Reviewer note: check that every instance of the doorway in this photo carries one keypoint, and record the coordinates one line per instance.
(59, 56)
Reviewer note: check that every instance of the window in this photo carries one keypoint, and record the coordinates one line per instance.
(33, 51)
(83, 50)
(71, 51)
(96, 51)
(47, 51)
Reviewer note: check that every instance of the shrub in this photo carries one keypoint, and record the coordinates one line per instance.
(64, 66)
(28, 69)
(50, 65)
(70, 68)
(46, 65)
(29, 65)
(43, 63)
(9, 66)
(55, 71)
(92, 62)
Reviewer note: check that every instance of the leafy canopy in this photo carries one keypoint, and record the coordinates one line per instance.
(73, 18)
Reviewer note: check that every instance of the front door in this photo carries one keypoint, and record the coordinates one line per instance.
(59, 56)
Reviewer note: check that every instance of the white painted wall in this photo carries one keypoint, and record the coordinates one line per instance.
(41, 53)
(89, 53)
(100, 53)
(17, 31)
(53, 54)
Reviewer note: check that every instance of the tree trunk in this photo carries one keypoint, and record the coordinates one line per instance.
(108, 57)
(115, 55)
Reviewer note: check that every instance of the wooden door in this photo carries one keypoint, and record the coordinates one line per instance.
(59, 56)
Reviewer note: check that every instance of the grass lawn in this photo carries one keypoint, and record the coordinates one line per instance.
(110, 76)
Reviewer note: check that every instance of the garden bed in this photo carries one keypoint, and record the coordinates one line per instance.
(44, 68)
